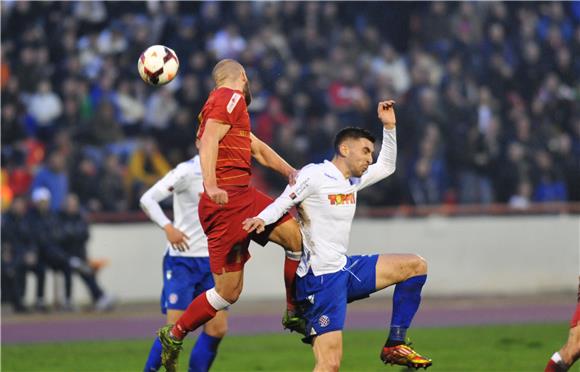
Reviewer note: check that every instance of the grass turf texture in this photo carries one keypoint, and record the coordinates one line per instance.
(485, 348)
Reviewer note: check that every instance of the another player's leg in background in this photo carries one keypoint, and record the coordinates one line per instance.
(205, 350)
(327, 350)
(289, 237)
(409, 273)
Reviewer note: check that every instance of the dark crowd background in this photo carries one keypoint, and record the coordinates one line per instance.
(487, 94)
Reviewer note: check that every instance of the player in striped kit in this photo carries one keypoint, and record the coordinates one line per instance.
(186, 271)
(325, 195)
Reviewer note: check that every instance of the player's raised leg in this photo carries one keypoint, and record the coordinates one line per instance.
(228, 287)
(409, 273)
(327, 350)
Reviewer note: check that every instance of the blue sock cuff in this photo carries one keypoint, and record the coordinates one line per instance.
(418, 280)
(203, 353)
(211, 342)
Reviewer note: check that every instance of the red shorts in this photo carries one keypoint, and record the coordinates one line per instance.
(223, 227)
(576, 317)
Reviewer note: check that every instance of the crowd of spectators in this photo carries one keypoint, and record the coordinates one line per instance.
(37, 239)
(488, 93)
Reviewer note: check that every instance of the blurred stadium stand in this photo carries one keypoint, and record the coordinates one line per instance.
(487, 93)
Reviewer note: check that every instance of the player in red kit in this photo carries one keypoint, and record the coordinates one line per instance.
(226, 148)
(563, 359)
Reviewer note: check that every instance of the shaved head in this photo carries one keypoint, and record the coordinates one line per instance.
(226, 70)
(229, 71)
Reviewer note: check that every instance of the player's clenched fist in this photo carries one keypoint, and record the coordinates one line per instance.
(386, 112)
(217, 195)
(251, 224)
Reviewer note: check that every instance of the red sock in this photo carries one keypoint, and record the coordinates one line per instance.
(290, 267)
(553, 367)
(198, 312)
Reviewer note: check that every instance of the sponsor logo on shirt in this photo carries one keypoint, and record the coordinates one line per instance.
(300, 188)
(233, 102)
(342, 199)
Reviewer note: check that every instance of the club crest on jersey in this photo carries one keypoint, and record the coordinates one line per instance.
(233, 102)
(173, 298)
(342, 199)
(324, 321)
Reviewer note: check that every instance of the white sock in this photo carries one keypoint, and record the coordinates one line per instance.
(557, 358)
(215, 300)
(294, 256)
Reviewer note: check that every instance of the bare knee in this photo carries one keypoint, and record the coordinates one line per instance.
(326, 367)
(330, 363)
(419, 265)
(288, 236)
(231, 295)
(229, 291)
(294, 238)
(327, 350)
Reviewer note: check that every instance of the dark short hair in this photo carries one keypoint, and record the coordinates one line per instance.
(351, 133)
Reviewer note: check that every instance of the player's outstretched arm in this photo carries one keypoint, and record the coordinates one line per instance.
(208, 152)
(387, 159)
(292, 195)
(266, 156)
(149, 203)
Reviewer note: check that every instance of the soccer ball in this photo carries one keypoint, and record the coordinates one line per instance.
(158, 65)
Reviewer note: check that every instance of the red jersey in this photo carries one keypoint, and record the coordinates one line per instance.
(233, 167)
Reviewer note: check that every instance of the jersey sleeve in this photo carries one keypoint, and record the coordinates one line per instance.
(292, 195)
(150, 200)
(386, 161)
(227, 108)
(182, 176)
(197, 178)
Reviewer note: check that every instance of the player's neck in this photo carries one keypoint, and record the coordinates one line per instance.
(342, 167)
(232, 85)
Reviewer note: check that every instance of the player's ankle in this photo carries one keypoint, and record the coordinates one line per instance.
(391, 343)
(291, 308)
(177, 333)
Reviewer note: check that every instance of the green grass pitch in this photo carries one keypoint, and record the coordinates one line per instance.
(480, 348)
